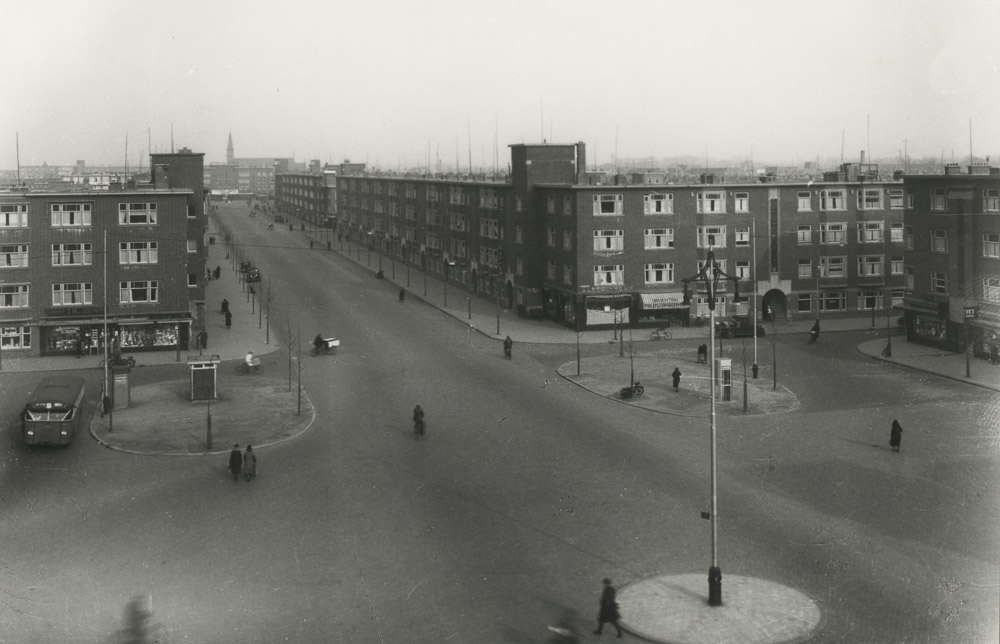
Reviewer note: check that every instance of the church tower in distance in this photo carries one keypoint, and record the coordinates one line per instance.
(230, 155)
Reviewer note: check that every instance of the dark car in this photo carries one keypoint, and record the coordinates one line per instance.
(246, 267)
(253, 275)
(738, 327)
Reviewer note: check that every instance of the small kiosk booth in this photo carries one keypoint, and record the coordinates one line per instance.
(724, 377)
(203, 377)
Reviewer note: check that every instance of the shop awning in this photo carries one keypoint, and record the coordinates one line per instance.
(614, 301)
(652, 301)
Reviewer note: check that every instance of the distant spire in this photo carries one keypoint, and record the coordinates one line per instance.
(230, 155)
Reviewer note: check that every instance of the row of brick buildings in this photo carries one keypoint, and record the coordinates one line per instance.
(586, 250)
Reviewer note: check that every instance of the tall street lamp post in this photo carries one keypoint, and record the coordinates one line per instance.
(710, 275)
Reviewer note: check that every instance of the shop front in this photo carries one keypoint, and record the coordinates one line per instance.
(663, 309)
(83, 337)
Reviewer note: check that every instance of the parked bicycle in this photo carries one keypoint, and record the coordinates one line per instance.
(660, 334)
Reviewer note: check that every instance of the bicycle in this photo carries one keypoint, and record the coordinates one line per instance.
(660, 334)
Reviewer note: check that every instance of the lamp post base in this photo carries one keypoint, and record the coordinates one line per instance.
(715, 586)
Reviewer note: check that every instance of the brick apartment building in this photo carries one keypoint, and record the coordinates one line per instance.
(57, 281)
(556, 241)
(953, 259)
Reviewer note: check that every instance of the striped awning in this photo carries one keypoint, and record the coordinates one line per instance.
(652, 301)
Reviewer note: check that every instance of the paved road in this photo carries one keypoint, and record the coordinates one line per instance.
(526, 492)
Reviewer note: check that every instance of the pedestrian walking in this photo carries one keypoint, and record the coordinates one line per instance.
(225, 305)
(702, 353)
(508, 347)
(609, 609)
(402, 294)
(203, 339)
(217, 272)
(229, 319)
(250, 463)
(895, 435)
(418, 420)
(235, 461)
(677, 378)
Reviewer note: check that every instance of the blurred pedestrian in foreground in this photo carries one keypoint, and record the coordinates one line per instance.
(250, 463)
(677, 378)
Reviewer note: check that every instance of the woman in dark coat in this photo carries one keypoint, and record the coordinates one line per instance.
(609, 609)
(895, 435)
(235, 461)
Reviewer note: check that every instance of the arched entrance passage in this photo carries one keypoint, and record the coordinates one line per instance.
(774, 302)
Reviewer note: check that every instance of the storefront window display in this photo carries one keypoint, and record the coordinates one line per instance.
(15, 337)
(136, 336)
(929, 328)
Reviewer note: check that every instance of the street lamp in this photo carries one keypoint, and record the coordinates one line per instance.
(710, 276)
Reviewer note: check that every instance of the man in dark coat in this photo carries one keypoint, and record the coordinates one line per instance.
(609, 609)
(235, 461)
(677, 378)
(895, 435)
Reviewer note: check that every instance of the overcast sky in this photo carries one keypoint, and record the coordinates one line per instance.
(395, 82)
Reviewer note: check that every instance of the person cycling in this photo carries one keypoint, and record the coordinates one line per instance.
(250, 361)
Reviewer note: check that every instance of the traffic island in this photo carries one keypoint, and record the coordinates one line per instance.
(607, 375)
(162, 419)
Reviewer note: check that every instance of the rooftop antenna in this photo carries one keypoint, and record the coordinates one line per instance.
(868, 140)
(841, 146)
(753, 173)
(171, 138)
(17, 153)
(468, 129)
(125, 178)
(971, 158)
(541, 115)
(616, 150)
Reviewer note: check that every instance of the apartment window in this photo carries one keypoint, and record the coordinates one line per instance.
(459, 222)
(377, 204)
(550, 237)
(833, 301)
(870, 199)
(991, 289)
(13, 296)
(832, 199)
(433, 241)
(657, 238)
(711, 202)
(568, 274)
(908, 238)
(869, 232)
(711, 237)
(896, 265)
(518, 234)
(411, 212)
(567, 205)
(550, 204)
(939, 241)
(658, 204)
(939, 199)
(722, 267)
(137, 253)
(518, 265)
(743, 235)
(991, 245)
(741, 202)
(608, 204)
(939, 282)
(567, 240)
(72, 294)
(137, 214)
(869, 265)
(433, 217)
(910, 278)
(138, 291)
(805, 267)
(991, 200)
(835, 233)
(15, 337)
(518, 205)
(13, 255)
(909, 200)
(71, 214)
(805, 201)
(896, 297)
(869, 300)
(461, 251)
(609, 240)
(661, 273)
(432, 193)
(743, 269)
(895, 199)
(804, 301)
(702, 310)
(411, 191)
(72, 255)
(609, 274)
(192, 245)
(14, 215)
(550, 270)
(832, 266)
(896, 232)
(804, 234)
